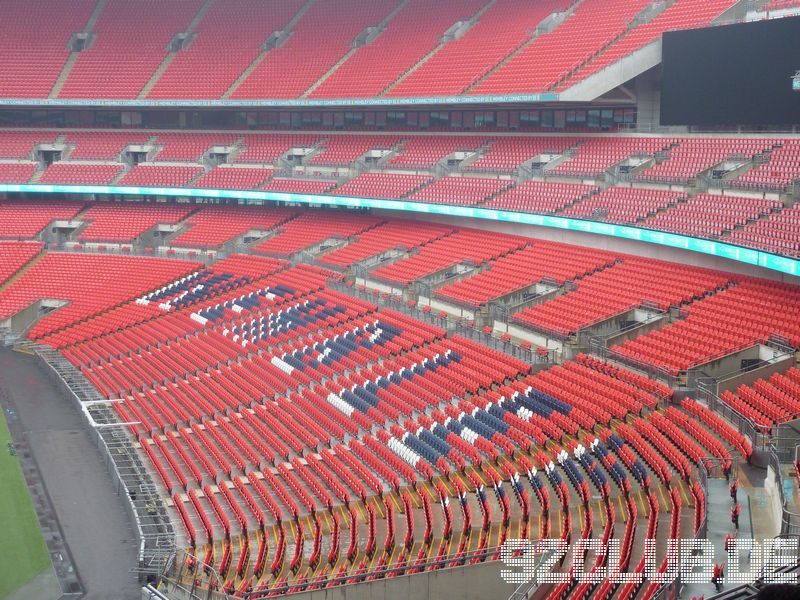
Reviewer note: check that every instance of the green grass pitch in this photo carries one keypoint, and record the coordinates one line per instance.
(23, 553)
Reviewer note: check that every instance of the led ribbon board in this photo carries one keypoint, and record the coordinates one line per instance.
(774, 262)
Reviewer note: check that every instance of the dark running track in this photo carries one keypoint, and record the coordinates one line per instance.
(91, 516)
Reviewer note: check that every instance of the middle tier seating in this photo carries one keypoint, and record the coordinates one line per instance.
(25, 220)
(382, 185)
(311, 229)
(468, 191)
(623, 204)
(395, 235)
(147, 174)
(212, 226)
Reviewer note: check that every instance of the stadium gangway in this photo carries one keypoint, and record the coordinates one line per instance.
(154, 528)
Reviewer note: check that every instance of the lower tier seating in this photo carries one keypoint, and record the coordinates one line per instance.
(212, 226)
(86, 285)
(25, 220)
(739, 317)
(301, 437)
(623, 287)
(397, 235)
(117, 222)
(466, 246)
(80, 173)
(514, 272)
(15, 255)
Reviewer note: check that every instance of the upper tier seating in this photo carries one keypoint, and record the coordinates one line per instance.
(394, 235)
(314, 228)
(248, 49)
(34, 40)
(232, 178)
(227, 40)
(212, 226)
(15, 255)
(123, 222)
(17, 172)
(780, 171)
(460, 190)
(470, 246)
(89, 283)
(409, 36)
(693, 156)
(425, 152)
(619, 289)
(268, 147)
(541, 197)
(734, 319)
(148, 174)
(596, 155)
(683, 14)
(555, 55)
(780, 233)
(102, 145)
(131, 42)
(313, 48)
(80, 173)
(507, 154)
(25, 220)
(460, 63)
(623, 204)
(381, 185)
(93, 158)
(554, 262)
(708, 215)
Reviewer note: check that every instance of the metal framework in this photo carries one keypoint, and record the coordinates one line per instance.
(132, 480)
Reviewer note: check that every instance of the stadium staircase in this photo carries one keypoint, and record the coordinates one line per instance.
(445, 40)
(173, 52)
(366, 38)
(73, 56)
(551, 23)
(279, 39)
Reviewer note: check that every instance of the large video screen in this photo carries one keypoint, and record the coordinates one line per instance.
(732, 75)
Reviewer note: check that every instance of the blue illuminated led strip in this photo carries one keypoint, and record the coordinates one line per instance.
(749, 256)
(278, 103)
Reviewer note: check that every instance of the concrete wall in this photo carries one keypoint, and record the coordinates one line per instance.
(765, 372)
(471, 582)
